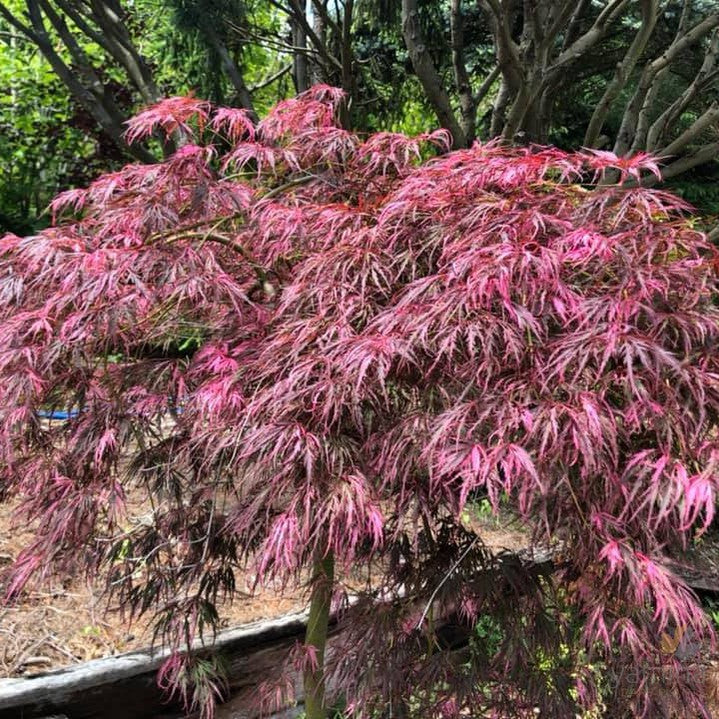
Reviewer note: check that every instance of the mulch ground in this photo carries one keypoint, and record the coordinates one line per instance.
(64, 622)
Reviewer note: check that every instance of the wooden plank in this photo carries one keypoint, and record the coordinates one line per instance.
(124, 687)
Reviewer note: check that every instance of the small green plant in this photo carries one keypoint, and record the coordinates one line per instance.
(489, 632)
(711, 607)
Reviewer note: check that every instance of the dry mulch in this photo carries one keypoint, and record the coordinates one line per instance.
(60, 623)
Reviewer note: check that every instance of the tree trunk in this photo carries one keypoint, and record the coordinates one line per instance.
(316, 637)
(300, 69)
(427, 72)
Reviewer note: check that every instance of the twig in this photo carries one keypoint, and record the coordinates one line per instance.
(271, 79)
(234, 216)
(287, 186)
(28, 653)
(444, 580)
(62, 650)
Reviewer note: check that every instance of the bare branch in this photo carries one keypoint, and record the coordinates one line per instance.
(461, 76)
(669, 117)
(15, 22)
(500, 16)
(486, 86)
(269, 80)
(559, 21)
(296, 12)
(635, 123)
(300, 66)
(499, 109)
(321, 9)
(624, 70)
(233, 71)
(117, 44)
(571, 34)
(590, 38)
(93, 99)
(702, 123)
(702, 155)
(346, 58)
(427, 73)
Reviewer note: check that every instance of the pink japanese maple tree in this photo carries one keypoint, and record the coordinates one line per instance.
(306, 349)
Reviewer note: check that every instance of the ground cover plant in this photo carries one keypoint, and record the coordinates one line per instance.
(308, 348)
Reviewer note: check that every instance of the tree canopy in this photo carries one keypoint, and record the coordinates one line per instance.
(307, 347)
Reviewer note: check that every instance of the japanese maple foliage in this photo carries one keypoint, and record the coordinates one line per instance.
(307, 346)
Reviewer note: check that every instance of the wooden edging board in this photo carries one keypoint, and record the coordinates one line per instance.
(124, 686)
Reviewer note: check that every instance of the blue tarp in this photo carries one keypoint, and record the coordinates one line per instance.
(57, 413)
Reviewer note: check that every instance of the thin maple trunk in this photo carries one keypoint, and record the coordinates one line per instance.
(316, 636)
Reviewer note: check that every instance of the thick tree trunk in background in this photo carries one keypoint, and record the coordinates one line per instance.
(427, 72)
(300, 66)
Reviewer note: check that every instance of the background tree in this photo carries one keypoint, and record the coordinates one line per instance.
(621, 75)
(358, 338)
(42, 149)
(70, 24)
(543, 47)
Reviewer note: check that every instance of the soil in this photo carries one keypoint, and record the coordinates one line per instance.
(59, 623)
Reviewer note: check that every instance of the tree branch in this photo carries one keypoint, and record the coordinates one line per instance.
(300, 66)
(590, 38)
(499, 109)
(461, 76)
(702, 155)
(572, 30)
(268, 81)
(635, 123)
(427, 73)
(559, 21)
(486, 85)
(669, 117)
(702, 123)
(233, 72)
(347, 59)
(94, 100)
(499, 16)
(321, 47)
(122, 52)
(12, 20)
(321, 10)
(624, 70)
